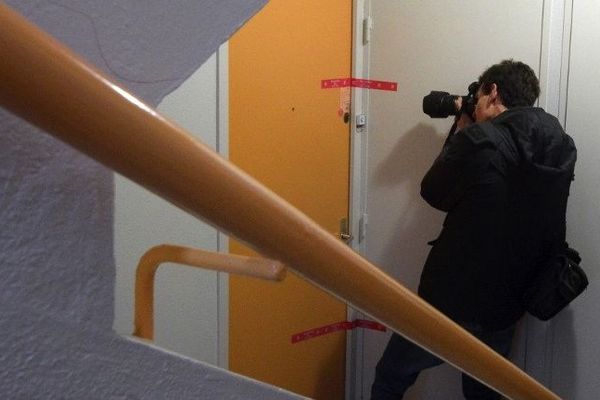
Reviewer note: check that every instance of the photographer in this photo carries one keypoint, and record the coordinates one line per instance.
(503, 178)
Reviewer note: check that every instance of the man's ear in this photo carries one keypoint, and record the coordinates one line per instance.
(494, 91)
(495, 95)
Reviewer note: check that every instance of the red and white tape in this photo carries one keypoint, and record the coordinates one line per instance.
(336, 327)
(359, 83)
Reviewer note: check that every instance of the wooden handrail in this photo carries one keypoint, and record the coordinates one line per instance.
(144, 283)
(44, 83)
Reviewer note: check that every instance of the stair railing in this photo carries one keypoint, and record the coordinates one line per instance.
(255, 267)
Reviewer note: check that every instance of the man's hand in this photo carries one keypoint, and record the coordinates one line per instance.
(463, 120)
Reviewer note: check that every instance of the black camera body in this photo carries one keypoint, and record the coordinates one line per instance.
(442, 104)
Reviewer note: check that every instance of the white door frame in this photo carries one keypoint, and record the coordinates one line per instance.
(357, 216)
(223, 240)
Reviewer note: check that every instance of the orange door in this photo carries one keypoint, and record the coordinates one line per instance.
(288, 133)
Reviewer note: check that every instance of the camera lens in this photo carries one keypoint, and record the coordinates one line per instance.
(439, 104)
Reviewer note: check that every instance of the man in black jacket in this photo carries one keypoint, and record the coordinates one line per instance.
(504, 182)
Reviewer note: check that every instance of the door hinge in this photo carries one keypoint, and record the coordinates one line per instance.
(367, 29)
(345, 230)
(361, 121)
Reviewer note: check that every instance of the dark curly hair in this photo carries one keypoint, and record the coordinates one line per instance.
(516, 83)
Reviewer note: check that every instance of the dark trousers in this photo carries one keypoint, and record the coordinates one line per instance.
(402, 362)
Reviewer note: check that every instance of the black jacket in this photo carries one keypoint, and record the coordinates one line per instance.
(504, 185)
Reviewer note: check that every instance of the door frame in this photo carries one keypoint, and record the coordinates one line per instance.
(222, 239)
(357, 196)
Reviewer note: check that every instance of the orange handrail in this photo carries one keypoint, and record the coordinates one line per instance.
(153, 258)
(44, 83)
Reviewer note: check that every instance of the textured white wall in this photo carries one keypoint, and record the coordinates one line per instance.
(57, 205)
(42, 357)
(56, 214)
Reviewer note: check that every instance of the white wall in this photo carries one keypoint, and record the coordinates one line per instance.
(575, 349)
(425, 46)
(190, 317)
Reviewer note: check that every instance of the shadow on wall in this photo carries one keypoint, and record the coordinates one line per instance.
(416, 222)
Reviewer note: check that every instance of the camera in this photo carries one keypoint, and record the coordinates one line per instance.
(442, 104)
